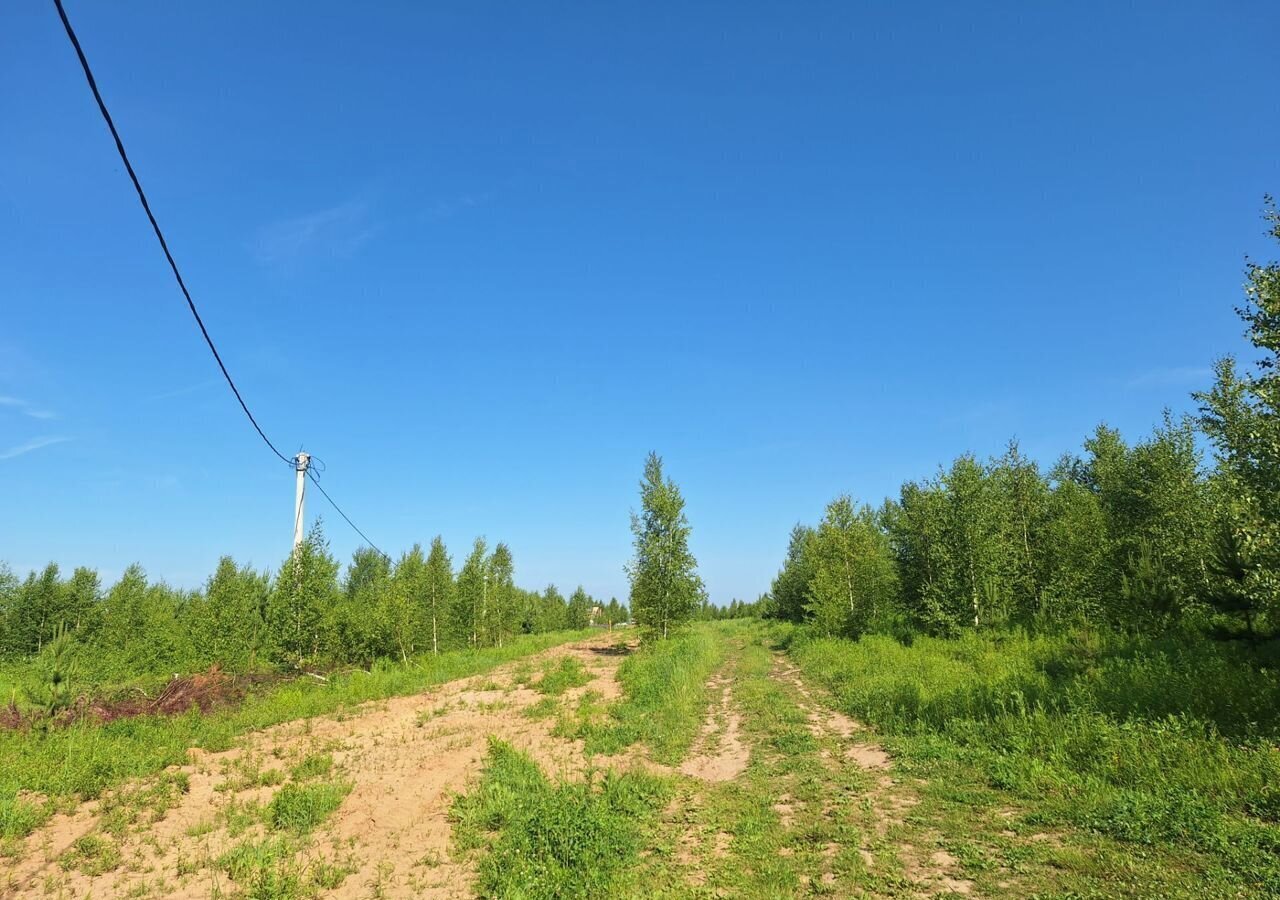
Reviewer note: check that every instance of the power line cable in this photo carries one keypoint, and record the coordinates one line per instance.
(173, 265)
(316, 482)
(155, 226)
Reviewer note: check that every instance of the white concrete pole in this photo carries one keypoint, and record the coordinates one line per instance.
(300, 464)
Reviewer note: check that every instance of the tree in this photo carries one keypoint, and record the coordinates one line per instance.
(578, 610)
(665, 586)
(404, 601)
(1241, 416)
(790, 590)
(554, 612)
(227, 622)
(357, 624)
(437, 592)
(305, 592)
(502, 599)
(854, 580)
(472, 596)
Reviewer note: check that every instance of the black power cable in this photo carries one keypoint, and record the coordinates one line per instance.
(155, 226)
(164, 245)
(316, 482)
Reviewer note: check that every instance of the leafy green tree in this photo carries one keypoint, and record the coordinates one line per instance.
(578, 610)
(438, 591)
(665, 586)
(139, 630)
(790, 589)
(502, 595)
(357, 626)
(82, 602)
(404, 602)
(305, 592)
(1075, 556)
(1241, 416)
(554, 610)
(226, 623)
(1022, 495)
(854, 579)
(472, 596)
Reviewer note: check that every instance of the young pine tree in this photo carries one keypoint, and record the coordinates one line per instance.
(665, 586)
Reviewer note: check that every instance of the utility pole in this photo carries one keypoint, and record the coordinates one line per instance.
(301, 463)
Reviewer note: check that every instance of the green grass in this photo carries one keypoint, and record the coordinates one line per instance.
(1151, 743)
(569, 673)
(92, 854)
(315, 765)
(83, 760)
(562, 840)
(299, 808)
(664, 697)
(272, 868)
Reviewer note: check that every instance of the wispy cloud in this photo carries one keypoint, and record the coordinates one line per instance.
(183, 391)
(27, 409)
(337, 231)
(1171, 377)
(446, 209)
(32, 445)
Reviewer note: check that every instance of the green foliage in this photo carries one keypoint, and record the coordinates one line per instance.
(853, 581)
(50, 686)
(545, 840)
(437, 597)
(226, 623)
(299, 808)
(301, 609)
(1241, 416)
(664, 696)
(1150, 740)
(790, 590)
(665, 586)
(577, 613)
(568, 673)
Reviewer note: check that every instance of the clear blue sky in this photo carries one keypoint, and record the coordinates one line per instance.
(481, 258)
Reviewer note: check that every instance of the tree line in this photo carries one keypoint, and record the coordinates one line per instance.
(1140, 535)
(307, 613)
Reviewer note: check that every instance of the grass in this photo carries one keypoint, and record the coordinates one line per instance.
(561, 840)
(569, 673)
(271, 868)
(83, 760)
(664, 698)
(1153, 744)
(92, 855)
(314, 765)
(299, 808)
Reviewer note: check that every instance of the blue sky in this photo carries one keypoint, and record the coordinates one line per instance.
(481, 258)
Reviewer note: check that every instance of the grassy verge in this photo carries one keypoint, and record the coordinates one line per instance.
(567, 839)
(664, 698)
(43, 769)
(1168, 758)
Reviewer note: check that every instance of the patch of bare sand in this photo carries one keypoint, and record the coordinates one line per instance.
(719, 753)
(406, 758)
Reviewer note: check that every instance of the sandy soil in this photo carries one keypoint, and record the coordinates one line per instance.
(406, 758)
